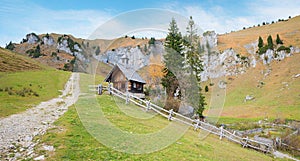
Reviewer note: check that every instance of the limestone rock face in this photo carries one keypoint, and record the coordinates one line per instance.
(48, 40)
(32, 38)
(74, 49)
(134, 57)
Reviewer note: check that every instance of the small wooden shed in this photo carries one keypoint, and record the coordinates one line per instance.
(126, 79)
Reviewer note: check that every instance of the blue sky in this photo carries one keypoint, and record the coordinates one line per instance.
(82, 18)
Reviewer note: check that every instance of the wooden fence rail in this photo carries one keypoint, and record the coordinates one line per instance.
(196, 123)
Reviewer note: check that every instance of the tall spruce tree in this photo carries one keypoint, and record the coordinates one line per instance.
(260, 42)
(174, 58)
(270, 42)
(194, 62)
(278, 40)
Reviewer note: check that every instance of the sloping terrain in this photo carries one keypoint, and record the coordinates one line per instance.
(72, 141)
(275, 90)
(25, 82)
(12, 62)
(289, 32)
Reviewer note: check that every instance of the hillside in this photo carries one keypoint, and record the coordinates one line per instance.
(275, 89)
(24, 82)
(289, 32)
(73, 140)
(12, 62)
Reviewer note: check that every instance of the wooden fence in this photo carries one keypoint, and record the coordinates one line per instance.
(195, 123)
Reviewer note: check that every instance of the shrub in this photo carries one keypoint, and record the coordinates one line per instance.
(287, 49)
(151, 41)
(97, 52)
(10, 46)
(262, 50)
(54, 54)
(206, 89)
(36, 94)
(10, 92)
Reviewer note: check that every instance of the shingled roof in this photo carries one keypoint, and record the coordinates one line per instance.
(129, 73)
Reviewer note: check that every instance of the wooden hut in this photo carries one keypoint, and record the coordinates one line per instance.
(126, 79)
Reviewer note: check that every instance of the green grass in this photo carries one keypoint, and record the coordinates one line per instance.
(73, 139)
(73, 142)
(46, 83)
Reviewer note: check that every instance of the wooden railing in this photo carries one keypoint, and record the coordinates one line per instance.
(195, 123)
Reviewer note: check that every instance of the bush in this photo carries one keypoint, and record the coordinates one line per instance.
(10, 46)
(54, 54)
(151, 41)
(243, 57)
(287, 49)
(262, 50)
(172, 103)
(206, 89)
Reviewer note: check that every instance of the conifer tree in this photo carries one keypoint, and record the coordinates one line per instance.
(173, 59)
(195, 63)
(278, 40)
(260, 42)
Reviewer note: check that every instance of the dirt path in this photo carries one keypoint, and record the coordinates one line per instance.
(17, 131)
(283, 155)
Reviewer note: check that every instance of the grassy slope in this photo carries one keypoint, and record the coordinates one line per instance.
(22, 72)
(274, 99)
(11, 62)
(45, 82)
(72, 141)
(289, 32)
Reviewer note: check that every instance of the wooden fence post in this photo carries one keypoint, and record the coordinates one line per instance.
(127, 98)
(246, 142)
(148, 103)
(100, 89)
(197, 124)
(221, 132)
(170, 115)
(109, 89)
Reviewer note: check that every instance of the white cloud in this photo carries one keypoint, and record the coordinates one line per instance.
(18, 20)
(219, 19)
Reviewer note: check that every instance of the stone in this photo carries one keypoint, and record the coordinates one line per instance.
(222, 84)
(186, 110)
(48, 148)
(297, 75)
(41, 157)
(248, 98)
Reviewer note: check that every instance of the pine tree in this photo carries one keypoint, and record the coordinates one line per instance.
(278, 40)
(173, 60)
(97, 52)
(10, 46)
(260, 42)
(194, 62)
(270, 42)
